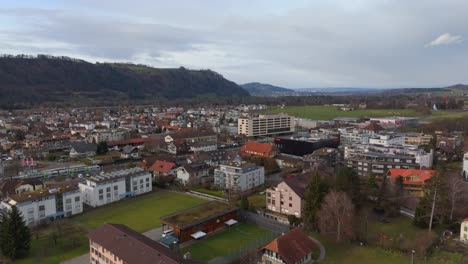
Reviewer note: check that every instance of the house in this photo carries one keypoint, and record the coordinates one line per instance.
(257, 149)
(192, 173)
(119, 244)
(239, 176)
(192, 135)
(81, 150)
(130, 152)
(17, 186)
(294, 247)
(178, 147)
(43, 204)
(162, 168)
(464, 231)
(115, 185)
(287, 197)
(413, 180)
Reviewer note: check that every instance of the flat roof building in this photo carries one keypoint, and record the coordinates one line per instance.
(264, 125)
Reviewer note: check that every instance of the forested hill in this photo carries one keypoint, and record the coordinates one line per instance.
(28, 81)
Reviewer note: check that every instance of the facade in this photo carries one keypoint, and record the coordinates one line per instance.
(106, 135)
(377, 160)
(113, 186)
(293, 247)
(118, 244)
(465, 166)
(205, 218)
(464, 231)
(44, 204)
(387, 139)
(265, 125)
(300, 146)
(287, 197)
(192, 173)
(413, 180)
(10, 187)
(417, 139)
(349, 137)
(239, 176)
(396, 121)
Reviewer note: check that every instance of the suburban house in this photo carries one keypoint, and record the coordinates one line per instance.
(178, 147)
(16, 186)
(116, 185)
(162, 168)
(287, 198)
(51, 203)
(294, 247)
(413, 180)
(258, 149)
(239, 176)
(192, 173)
(129, 152)
(119, 244)
(81, 150)
(464, 231)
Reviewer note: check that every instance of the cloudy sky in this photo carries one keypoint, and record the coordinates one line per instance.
(326, 43)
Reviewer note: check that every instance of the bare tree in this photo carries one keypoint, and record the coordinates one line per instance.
(336, 215)
(456, 190)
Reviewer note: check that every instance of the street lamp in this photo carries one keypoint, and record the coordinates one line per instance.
(412, 255)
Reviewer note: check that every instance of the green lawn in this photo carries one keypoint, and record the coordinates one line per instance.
(398, 227)
(318, 112)
(256, 201)
(224, 243)
(140, 213)
(217, 193)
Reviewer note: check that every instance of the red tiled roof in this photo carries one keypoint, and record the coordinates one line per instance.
(292, 246)
(252, 147)
(373, 127)
(162, 166)
(423, 175)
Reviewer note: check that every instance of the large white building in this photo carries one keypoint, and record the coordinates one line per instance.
(51, 203)
(464, 231)
(239, 176)
(105, 135)
(465, 166)
(264, 125)
(113, 186)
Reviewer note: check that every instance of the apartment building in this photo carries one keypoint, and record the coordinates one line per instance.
(106, 135)
(396, 121)
(113, 186)
(417, 139)
(387, 139)
(264, 125)
(239, 176)
(465, 166)
(50, 203)
(376, 159)
(354, 136)
(287, 197)
(413, 180)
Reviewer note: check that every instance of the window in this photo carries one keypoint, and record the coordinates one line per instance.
(141, 181)
(101, 197)
(68, 201)
(108, 195)
(116, 188)
(101, 191)
(290, 198)
(42, 208)
(77, 199)
(108, 189)
(147, 179)
(290, 205)
(147, 185)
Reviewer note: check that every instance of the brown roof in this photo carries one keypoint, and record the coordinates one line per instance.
(28, 196)
(189, 132)
(292, 246)
(298, 184)
(133, 247)
(9, 187)
(162, 166)
(373, 127)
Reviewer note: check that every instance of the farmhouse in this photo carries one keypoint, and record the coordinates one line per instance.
(196, 222)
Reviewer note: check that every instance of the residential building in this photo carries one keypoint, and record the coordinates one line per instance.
(162, 168)
(116, 185)
(417, 139)
(203, 146)
(293, 247)
(305, 144)
(465, 166)
(288, 197)
(239, 176)
(354, 136)
(192, 173)
(51, 203)
(264, 125)
(387, 139)
(413, 180)
(258, 149)
(17, 186)
(192, 135)
(464, 231)
(376, 159)
(119, 244)
(130, 152)
(396, 121)
(106, 135)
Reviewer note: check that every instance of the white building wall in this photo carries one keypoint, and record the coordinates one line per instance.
(464, 231)
(465, 166)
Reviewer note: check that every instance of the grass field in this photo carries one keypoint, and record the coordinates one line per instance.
(225, 242)
(141, 213)
(217, 193)
(318, 112)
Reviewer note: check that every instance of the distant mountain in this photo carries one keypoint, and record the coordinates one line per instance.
(263, 89)
(28, 80)
(338, 90)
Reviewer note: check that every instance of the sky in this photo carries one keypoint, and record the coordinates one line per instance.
(295, 44)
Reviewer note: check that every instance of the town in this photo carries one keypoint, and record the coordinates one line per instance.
(234, 184)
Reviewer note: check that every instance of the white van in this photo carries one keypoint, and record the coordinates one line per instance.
(167, 232)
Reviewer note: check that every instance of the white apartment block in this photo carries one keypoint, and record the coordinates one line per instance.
(387, 139)
(239, 176)
(264, 125)
(44, 204)
(106, 135)
(114, 186)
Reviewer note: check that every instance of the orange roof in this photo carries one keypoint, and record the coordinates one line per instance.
(162, 166)
(260, 148)
(423, 175)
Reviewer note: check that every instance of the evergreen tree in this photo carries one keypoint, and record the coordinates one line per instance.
(434, 204)
(316, 190)
(347, 180)
(102, 148)
(15, 235)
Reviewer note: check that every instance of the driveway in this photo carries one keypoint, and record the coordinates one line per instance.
(154, 234)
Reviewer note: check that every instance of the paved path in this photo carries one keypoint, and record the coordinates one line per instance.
(154, 234)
